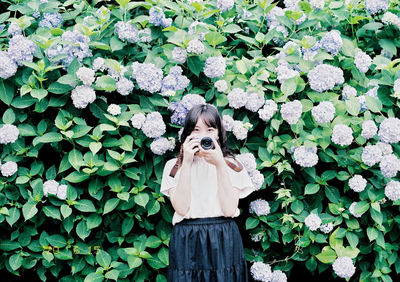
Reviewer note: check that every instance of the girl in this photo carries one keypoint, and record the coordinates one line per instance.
(204, 187)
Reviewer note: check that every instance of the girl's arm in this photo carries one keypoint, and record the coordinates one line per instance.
(180, 195)
(228, 195)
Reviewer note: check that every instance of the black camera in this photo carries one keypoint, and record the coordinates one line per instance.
(205, 142)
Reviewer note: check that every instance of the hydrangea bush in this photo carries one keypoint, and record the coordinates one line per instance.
(93, 98)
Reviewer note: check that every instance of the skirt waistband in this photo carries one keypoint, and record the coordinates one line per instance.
(205, 220)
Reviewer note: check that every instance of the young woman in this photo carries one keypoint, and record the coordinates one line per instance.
(204, 186)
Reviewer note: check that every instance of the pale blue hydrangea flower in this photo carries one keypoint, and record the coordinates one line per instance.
(392, 190)
(154, 125)
(237, 98)
(190, 100)
(7, 65)
(385, 148)
(254, 101)
(82, 96)
(369, 129)
(375, 6)
(389, 130)
(324, 112)
(306, 157)
(268, 110)
(160, 146)
(36, 14)
(180, 112)
(124, 86)
(148, 77)
(9, 168)
(313, 221)
(278, 276)
(222, 85)
(259, 207)
(51, 20)
(195, 46)
(157, 17)
(44, 1)
(285, 71)
(261, 271)
(8, 134)
(389, 165)
(179, 55)
(362, 61)
(371, 155)
(332, 42)
(342, 135)
(227, 121)
(175, 80)
(291, 111)
(127, 32)
(145, 35)
(21, 49)
(215, 67)
(396, 88)
(14, 29)
(324, 77)
(357, 183)
(257, 178)
(225, 5)
(344, 267)
(248, 161)
(348, 91)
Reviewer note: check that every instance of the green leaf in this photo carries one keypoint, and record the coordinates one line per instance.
(252, 223)
(153, 242)
(49, 137)
(15, 261)
(75, 158)
(116, 44)
(327, 256)
(94, 277)
(95, 147)
(241, 66)
(106, 83)
(373, 104)
(85, 206)
(232, 28)
(126, 143)
(39, 93)
(9, 116)
(361, 207)
(93, 221)
(58, 88)
(388, 45)
(65, 211)
(13, 215)
(68, 79)
(311, 188)
(76, 177)
(195, 65)
(372, 233)
(214, 38)
(8, 245)
(163, 255)
(112, 274)
(57, 240)
(297, 206)
(141, 199)
(29, 210)
(352, 238)
(134, 261)
(353, 106)
(6, 92)
(289, 86)
(81, 230)
(103, 258)
(52, 211)
(110, 205)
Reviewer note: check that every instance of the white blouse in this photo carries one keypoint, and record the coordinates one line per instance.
(204, 196)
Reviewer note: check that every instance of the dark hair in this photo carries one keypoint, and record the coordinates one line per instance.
(211, 117)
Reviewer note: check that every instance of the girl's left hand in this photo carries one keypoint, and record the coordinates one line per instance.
(213, 156)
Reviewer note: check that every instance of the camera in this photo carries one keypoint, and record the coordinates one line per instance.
(205, 142)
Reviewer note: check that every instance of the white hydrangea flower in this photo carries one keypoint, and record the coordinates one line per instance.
(326, 228)
(138, 120)
(389, 165)
(324, 112)
(357, 183)
(369, 129)
(313, 221)
(256, 237)
(324, 77)
(8, 134)
(50, 186)
(362, 61)
(82, 96)
(371, 155)
(225, 5)
(248, 161)
(154, 125)
(237, 98)
(306, 157)
(257, 178)
(396, 87)
(385, 148)
(342, 135)
(8, 168)
(291, 111)
(351, 210)
(389, 130)
(259, 207)
(195, 46)
(254, 101)
(391, 19)
(239, 130)
(278, 276)
(160, 145)
(392, 190)
(221, 85)
(99, 64)
(124, 86)
(348, 91)
(344, 267)
(269, 109)
(114, 109)
(261, 271)
(285, 71)
(86, 75)
(62, 191)
(317, 4)
(227, 121)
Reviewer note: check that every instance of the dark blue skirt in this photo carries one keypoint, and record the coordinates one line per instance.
(206, 249)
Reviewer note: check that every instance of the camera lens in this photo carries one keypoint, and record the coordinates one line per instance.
(206, 143)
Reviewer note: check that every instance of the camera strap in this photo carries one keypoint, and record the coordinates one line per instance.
(236, 167)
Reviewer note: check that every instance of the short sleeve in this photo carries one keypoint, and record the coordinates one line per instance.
(241, 180)
(167, 181)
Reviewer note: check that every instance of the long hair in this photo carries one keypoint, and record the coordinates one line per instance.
(211, 117)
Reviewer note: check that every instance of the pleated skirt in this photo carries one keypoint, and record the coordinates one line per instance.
(206, 250)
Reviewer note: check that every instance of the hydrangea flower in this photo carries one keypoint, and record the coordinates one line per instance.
(82, 96)
(362, 61)
(396, 88)
(225, 5)
(389, 165)
(179, 55)
(313, 221)
(254, 101)
(221, 85)
(99, 64)
(375, 6)
(137, 120)
(86, 75)
(195, 46)
(324, 112)
(291, 111)
(342, 135)
(357, 183)
(389, 130)
(324, 77)
(190, 100)
(259, 207)
(332, 42)
(268, 110)
(306, 157)
(161, 145)
(62, 191)
(351, 210)
(7, 65)
(257, 178)
(348, 91)
(261, 271)
(285, 71)
(278, 276)
(127, 32)
(326, 228)
(239, 130)
(371, 155)
(369, 129)
(317, 4)
(215, 67)
(9, 168)
(344, 267)
(8, 133)
(256, 237)
(237, 98)
(180, 112)
(50, 187)
(153, 125)
(51, 20)
(391, 19)
(175, 80)
(248, 161)
(14, 29)
(114, 109)
(21, 49)
(227, 121)
(392, 190)
(157, 17)
(148, 77)
(385, 148)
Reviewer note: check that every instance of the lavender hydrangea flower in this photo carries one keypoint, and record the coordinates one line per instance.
(342, 135)
(180, 112)
(195, 46)
(175, 80)
(261, 271)
(21, 49)
(254, 101)
(137, 120)
(221, 85)
(179, 55)
(362, 61)
(225, 5)
(127, 32)
(237, 98)
(160, 145)
(392, 190)
(324, 77)
(291, 111)
(8, 67)
(357, 183)
(148, 77)
(14, 29)
(82, 96)
(371, 155)
(9, 168)
(114, 109)
(124, 86)
(306, 157)
(348, 91)
(257, 178)
(326, 228)
(51, 20)
(8, 133)
(278, 276)
(190, 100)
(389, 130)
(86, 75)
(215, 67)
(369, 129)
(376, 6)
(332, 42)
(157, 17)
(268, 110)
(154, 125)
(324, 112)
(389, 165)
(344, 267)
(227, 121)
(145, 35)
(313, 221)
(259, 207)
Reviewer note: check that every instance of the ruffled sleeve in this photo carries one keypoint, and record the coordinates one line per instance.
(241, 180)
(167, 182)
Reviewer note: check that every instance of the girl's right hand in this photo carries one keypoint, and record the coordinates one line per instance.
(190, 147)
